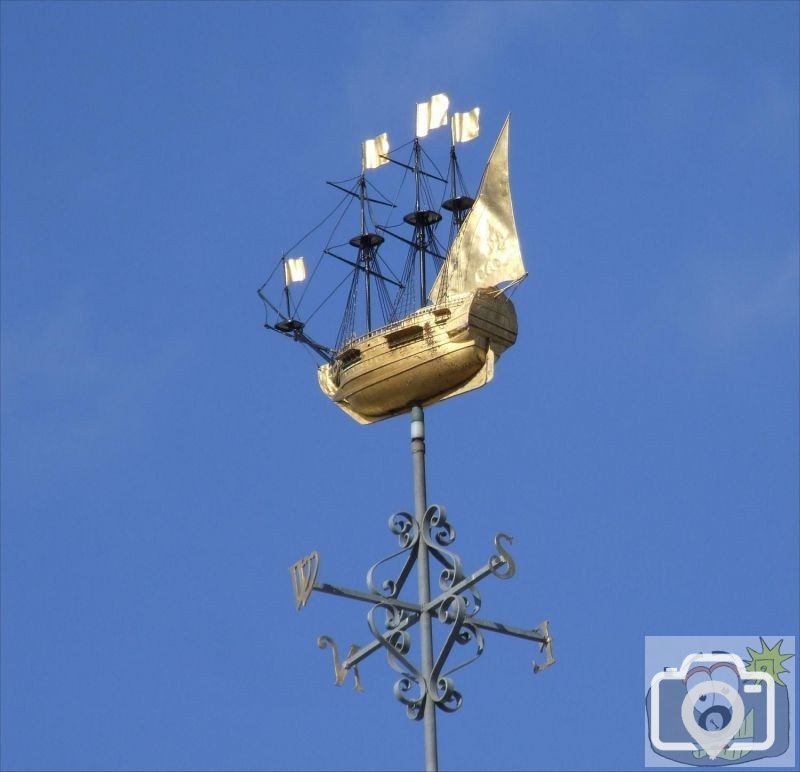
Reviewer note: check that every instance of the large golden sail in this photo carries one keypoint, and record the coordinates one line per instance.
(486, 251)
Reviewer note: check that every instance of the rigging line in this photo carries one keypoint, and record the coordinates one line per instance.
(347, 328)
(350, 203)
(386, 201)
(440, 252)
(433, 163)
(461, 179)
(321, 257)
(385, 303)
(403, 298)
(378, 191)
(349, 179)
(327, 298)
(454, 169)
(370, 213)
(382, 262)
(426, 193)
(397, 196)
(384, 291)
(316, 227)
(400, 147)
(266, 303)
(272, 273)
(427, 184)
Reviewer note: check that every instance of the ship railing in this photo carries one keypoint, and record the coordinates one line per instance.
(387, 328)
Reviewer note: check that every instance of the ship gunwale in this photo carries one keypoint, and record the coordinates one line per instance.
(453, 300)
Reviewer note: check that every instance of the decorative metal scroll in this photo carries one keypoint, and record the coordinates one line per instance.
(390, 619)
(405, 527)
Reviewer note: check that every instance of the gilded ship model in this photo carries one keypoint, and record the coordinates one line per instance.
(420, 344)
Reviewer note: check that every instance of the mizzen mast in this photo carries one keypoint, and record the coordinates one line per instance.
(463, 128)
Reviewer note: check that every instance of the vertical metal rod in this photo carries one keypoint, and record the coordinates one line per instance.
(365, 252)
(419, 227)
(424, 584)
(286, 289)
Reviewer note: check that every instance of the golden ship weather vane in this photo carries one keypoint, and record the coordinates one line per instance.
(427, 328)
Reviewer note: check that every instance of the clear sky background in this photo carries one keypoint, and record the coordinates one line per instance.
(165, 459)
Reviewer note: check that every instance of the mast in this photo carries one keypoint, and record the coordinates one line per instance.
(457, 204)
(374, 153)
(422, 244)
(423, 220)
(286, 288)
(463, 128)
(367, 243)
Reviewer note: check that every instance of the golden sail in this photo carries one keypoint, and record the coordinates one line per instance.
(486, 251)
(450, 344)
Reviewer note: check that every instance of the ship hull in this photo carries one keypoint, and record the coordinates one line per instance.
(433, 354)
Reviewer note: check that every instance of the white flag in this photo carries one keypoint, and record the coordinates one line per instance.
(432, 114)
(294, 270)
(464, 126)
(372, 151)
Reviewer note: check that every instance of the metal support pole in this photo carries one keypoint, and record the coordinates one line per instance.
(455, 606)
(423, 580)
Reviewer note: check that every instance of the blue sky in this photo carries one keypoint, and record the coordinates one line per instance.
(165, 459)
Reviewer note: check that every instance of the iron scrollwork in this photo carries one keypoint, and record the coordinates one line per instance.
(438, 533)
(457, 607)
(405, 528)
(397, 643)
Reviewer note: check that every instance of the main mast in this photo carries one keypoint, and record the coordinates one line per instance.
(423, 221)
(422, 244)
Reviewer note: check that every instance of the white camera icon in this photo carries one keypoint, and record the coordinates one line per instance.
(712, 710)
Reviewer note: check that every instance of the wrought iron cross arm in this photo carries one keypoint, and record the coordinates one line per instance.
(501, 565)
(457, 589)
(366, 597)
(518, 632)
(304, 582)
(357, 656)
(539, 634)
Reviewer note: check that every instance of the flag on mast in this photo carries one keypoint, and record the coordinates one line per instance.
(465, 126)
(373, 152)
(432, 114)
(294, 270)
